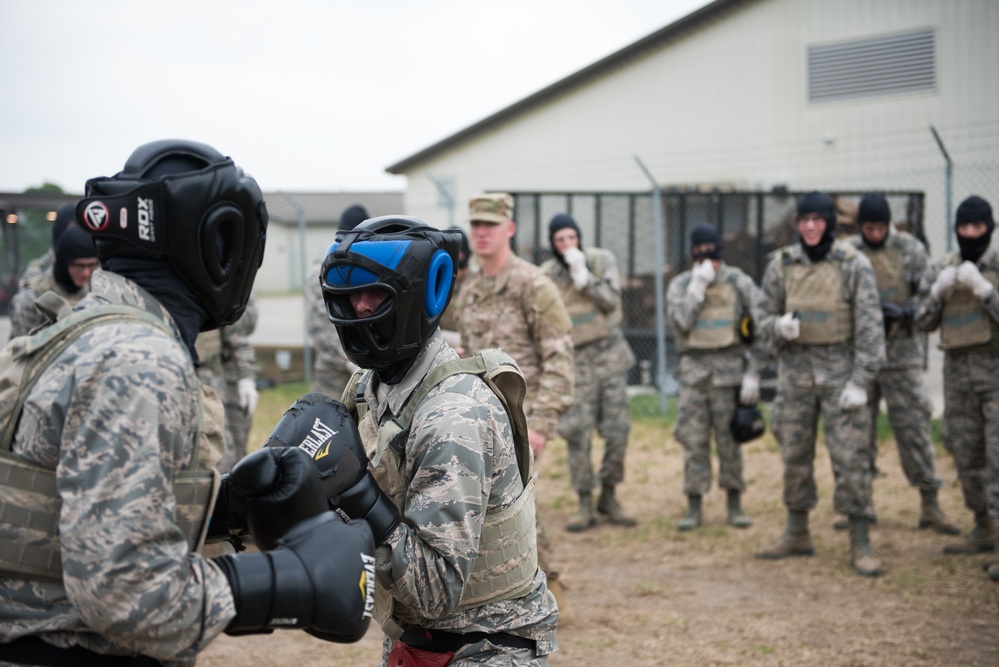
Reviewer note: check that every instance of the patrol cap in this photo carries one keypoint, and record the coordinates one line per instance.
(495, 207)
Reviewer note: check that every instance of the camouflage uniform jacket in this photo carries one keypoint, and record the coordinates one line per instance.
(115, 416)
(975, 368)
(458, 462)
(232, 356)
(24, 317)
(331, 366)
(725, 367)
(857, 360)
(905, 346)
(35, 268)
(519, 310)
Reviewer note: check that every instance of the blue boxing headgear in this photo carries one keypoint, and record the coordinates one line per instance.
(184, 203)
(414, 263)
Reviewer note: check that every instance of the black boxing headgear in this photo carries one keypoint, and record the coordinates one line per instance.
(183, 203)
(414, 263)
(352, 216)
(465, 252)
(703, 234)
(974, 209)
(823, 204)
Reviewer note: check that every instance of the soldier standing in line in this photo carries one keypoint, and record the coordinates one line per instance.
(39, 265)
(822, 313)
(228, 364)
(900, 260)
(331, 367)
(458, 577)
(512, 305)
(74, 261)
(109, 484)
(706, 307)
(960, 298)
(591, 292)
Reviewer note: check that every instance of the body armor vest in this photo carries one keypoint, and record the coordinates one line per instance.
(815, 292)
(964, 322)
(717, 324)
(589, 324)
(29, 501)
(889, 265)
(507, 561)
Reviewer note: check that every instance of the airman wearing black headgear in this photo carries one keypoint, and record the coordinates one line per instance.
(959, 297)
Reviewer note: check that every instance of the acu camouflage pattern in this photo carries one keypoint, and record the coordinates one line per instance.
(601, 386)
(899, 265)
(225, 357)
(24, 317)
(331, 369)
(458, 462)
(709, 381)
(812, 377)
(519, 311)
(971, 396)
(116, 417)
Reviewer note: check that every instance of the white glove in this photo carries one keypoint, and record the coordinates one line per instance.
(248, 394)
(750, 391)
(853, 397)
(700, 277)
(788, 326)
(969, 276)
(576, 261)
(944, 283)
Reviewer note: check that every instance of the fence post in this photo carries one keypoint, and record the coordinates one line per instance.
(657, 236)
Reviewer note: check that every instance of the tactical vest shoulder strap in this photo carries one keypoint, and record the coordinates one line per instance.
(26, 357)
(503, 376)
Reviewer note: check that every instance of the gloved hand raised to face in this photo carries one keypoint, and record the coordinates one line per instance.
(701, 276)
(969, 276)
(575, 259)
(944, 283)
(315, 572)
(324, 429)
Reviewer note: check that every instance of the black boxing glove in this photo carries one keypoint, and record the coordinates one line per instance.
(320, 577)
(324, 429)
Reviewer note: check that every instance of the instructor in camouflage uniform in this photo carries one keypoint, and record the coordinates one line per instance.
(591, 292)
(822, 312)
(960, 298)
(900, 260)
(706, 307)
(108, 486)
(458, 576)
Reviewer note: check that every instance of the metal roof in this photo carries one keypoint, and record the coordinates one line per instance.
(656, 40)
(324, 208)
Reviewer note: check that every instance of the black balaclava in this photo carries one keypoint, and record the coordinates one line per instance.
(821, 203)
(73, 244)
(352, 216)
(974, 209)
(559, 222)
(705, 233)
(874, 208)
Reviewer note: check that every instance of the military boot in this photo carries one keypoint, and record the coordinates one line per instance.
(863, 561)
(692, 519)
(980, 539)
(931, 516)
(611, 509)
(736, 516)
(583, 519)
(794, 541)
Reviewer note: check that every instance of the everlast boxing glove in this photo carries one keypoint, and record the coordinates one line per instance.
(318, 575)
(324, 429)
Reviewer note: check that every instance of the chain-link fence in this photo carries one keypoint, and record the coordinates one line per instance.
(752, 225)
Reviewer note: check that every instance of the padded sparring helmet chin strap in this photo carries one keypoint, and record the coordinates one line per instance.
(413, 263)
(184, 203)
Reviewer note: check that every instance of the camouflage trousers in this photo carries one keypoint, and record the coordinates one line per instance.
(703, 410)
(909, 412)
(602, 405)
(971, 435)
(484, 653)
(795, 423)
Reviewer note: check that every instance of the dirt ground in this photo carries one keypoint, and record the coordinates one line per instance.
(651, 596)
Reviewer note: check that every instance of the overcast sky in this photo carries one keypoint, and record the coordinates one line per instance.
(306, 95)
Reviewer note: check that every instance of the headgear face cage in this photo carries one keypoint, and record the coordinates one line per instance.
(187, 204)
(413, 263)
